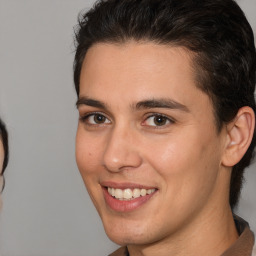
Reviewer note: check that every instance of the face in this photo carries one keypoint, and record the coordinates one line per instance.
(147, 146)
(1, 167)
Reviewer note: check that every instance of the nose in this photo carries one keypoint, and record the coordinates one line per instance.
(122, 151)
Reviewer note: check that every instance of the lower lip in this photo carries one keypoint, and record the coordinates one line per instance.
(127, 205)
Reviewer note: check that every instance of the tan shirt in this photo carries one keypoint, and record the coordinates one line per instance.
(242, 247)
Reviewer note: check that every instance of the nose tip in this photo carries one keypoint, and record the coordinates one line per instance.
(121, 153)
(116, 163)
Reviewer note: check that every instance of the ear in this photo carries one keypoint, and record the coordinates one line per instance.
(239, 136)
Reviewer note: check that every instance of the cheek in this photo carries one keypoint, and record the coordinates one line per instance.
(87, 152)
(1, 162)
(87, 158)
(185, 168)
(191, 151)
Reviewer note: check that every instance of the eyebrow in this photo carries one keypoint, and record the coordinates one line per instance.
(161, 103)
(145, 104)
(90, 102)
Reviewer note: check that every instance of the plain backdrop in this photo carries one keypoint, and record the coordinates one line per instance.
(47, 211)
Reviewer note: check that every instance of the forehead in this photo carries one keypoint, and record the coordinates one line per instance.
(137, 52)
(141, 67)
(137, 63)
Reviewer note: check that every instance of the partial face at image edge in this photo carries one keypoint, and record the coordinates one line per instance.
(1, 168)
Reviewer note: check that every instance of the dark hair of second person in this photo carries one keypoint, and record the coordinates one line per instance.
(4, 140)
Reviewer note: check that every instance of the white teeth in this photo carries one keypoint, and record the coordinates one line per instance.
(128, 194)
(136, 193)
(143, 192)
(118, 193)
(149, 191)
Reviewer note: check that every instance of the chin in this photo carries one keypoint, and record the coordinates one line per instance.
(125, 231)
(127, 238)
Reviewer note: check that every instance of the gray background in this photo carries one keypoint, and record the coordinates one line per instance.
(46, 208)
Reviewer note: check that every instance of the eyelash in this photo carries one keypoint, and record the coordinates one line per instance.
(86, 117)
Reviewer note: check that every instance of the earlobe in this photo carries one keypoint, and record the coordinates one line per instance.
(239, 136)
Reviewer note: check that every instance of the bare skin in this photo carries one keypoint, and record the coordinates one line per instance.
(145, 124)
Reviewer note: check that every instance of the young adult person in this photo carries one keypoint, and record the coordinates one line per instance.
(4, 153)
(167, 123)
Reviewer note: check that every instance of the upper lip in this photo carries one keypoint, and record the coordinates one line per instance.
(124, 185)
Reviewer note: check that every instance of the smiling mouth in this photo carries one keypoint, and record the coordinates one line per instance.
(129, 194)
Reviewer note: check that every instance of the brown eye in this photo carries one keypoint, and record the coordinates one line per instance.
(99, 119)
(96, 119)
(157, 120)
(160, 120)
